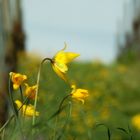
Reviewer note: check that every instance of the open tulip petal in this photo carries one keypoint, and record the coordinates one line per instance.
(59, 73)
(17, 79)
(79, 94)
(15, 86)
(27, 110)
(60, 61)
(30, 91)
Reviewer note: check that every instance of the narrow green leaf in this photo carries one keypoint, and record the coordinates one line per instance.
(108, 130)
(109, 134)
(122, 129)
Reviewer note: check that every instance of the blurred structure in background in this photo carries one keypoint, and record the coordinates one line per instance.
(128, 36)
(11, 42)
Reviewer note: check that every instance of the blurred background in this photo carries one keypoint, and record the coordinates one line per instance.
(107, 35)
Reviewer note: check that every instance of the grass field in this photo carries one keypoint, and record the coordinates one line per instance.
(114, 99)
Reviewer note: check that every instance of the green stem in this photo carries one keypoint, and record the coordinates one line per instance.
(61, 103)
(66, 122)
(54, 131)
(60, 107)
(108, 130)
(12, 116)
(21, 93)
(28, 100)
(6, 123)
(12, 100)
(14, 108)
(36, 95)
(3, 134)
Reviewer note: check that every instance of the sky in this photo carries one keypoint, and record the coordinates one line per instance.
(88, 27)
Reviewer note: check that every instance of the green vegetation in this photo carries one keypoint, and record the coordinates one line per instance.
(114, 100)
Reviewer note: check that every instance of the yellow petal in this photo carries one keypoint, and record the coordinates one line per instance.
(59, 73)
(26, 85)
(17, 79)
(24, 77)
(69, 56)
(11, 73)
(73, 87)
(82, 100)
(18, 103)
(15, 86)
(61, 66)
(30, 91)
(29, 110)
(65, 57)
(79, 94)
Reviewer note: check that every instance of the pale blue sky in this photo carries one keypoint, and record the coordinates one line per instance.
(88, 26)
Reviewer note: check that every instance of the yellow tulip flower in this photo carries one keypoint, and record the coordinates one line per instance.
(79, 94)
(17, 79)
(27, 110)
(136, 121)
(30, 91)
(60, 61)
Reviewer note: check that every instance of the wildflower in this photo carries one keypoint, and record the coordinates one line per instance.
(105, 113)
(60, 61)
(30, 91)
(17, 79)
(79, 94)
(27, 110)
(122, 69)
(104, 73)
(136, 121)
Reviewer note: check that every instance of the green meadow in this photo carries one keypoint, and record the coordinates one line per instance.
(108, 111)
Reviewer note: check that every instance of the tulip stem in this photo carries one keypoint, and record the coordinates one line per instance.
(21, 93)
(61, 103)
(36, 95)
(12, 116)
(66, 122)
(60, 107)
(12, 100)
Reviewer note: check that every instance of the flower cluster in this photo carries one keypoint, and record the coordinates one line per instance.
(30, 91)
(17, 79)
(59, 64)
(27, 110)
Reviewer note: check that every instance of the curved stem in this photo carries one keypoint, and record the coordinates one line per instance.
(28, 100)
(60, 107)
(61, 103)
(38, 79)
(108, 130)
(12, 116)
(6, 123)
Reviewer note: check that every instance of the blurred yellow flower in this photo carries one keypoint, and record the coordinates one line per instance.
(79, 94)
(60, 61)
(90, 120)
(27, 110)
(104, 73)
(122, 69)
(17, 79)
(30, 91)
(136, 121)
(105, 113)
